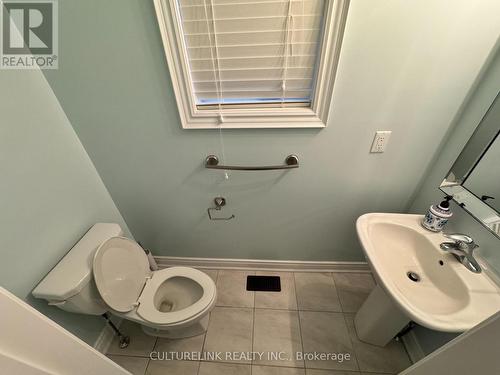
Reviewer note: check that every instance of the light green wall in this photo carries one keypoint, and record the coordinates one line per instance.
(472, 112)
(50, 192)
(405, 66)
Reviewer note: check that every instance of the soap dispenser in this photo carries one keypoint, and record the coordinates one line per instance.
(438, 215)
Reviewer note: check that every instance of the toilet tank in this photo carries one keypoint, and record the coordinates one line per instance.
(70, 284)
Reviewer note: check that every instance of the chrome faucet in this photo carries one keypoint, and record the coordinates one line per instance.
(462, 248)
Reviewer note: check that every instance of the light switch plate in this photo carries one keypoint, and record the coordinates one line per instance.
(380, 141)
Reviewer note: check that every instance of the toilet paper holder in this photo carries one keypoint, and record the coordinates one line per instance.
(219, 203)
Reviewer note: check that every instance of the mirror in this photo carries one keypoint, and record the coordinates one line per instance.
(484, 180)
(474, 179)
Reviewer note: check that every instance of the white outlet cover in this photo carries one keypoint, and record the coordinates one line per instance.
(380, 141)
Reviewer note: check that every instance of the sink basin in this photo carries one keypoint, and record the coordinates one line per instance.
(418, 281)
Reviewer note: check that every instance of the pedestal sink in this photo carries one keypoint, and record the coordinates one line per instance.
(417, 281)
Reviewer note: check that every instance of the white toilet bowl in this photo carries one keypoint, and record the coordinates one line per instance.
(172, 302)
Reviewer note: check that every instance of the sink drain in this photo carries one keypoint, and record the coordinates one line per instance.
(413, 276)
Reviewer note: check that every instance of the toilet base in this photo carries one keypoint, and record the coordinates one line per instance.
(197, 328)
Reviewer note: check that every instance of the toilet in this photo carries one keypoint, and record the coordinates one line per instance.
(106, 272)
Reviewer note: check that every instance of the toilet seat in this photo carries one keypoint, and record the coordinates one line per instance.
(148, 311)
(120, 270)
(126, 283)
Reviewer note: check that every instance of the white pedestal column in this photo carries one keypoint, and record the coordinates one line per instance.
(379, 319)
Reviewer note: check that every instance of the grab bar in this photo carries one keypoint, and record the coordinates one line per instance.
(291, 161)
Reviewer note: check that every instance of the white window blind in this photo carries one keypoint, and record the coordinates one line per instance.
(252, 52)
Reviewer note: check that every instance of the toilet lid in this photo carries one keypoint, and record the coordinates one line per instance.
(120, 271)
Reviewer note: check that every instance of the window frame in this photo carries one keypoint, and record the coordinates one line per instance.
(315, 116)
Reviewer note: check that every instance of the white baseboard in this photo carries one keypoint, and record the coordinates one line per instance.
(413, 347)
(106, 337)
(104, 340)
(262, 264)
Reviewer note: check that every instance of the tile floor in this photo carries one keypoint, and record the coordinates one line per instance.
(314, 312)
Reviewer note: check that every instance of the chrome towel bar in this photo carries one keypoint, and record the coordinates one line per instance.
(291, 161)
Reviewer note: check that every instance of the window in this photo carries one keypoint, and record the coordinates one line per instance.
(252, 64)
